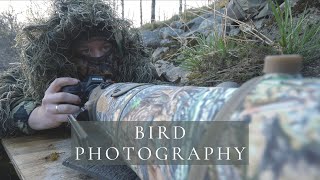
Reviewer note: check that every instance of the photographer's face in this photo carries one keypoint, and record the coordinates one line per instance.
(94, 47)
(93, 57)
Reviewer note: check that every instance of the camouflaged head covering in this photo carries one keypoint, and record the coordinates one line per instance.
(46, 47)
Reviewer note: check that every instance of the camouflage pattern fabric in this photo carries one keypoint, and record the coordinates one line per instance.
(173, 101)
(283, 115)
(282, 111)
(15, 108)
(157, 103)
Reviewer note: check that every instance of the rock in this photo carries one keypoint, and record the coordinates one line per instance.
(169, 43)
(243, 9)
(188, 34)
(157, 54)
(234, 31)
(210, 23)
(212, 35)
(171, 72)
(265, 11)
(228, 84)
(194, 23)
(150, 38)
(234, 12)
(161, 66)
(259, 23)
(180, 57)
(246, 27)
(168, 32)
(208, 28)
(217, 29)
(176, 24)
(188, 38)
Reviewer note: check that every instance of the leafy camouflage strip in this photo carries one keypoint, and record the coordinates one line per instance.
(158, 103)
(284, 131)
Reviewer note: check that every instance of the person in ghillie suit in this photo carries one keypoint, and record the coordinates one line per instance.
(80, 38)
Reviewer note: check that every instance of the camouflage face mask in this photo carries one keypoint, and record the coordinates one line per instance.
(103, 66)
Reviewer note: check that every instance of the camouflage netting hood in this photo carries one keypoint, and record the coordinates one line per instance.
(46, 47)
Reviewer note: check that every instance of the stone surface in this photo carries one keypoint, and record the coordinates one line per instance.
(168, 43)
(234, 31)
(158, 52)
(210, 23)
(150, 39)
(194, 23)
(168, 32)
(173, 73)
(176, 24)
(259, 23)
(203, 25)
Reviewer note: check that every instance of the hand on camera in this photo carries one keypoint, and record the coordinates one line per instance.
(56, 106)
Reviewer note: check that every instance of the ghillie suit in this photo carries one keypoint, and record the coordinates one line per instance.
(47, 54)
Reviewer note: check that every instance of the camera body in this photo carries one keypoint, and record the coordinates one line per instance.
(83, 89)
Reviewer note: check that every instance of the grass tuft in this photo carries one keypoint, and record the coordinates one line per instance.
(297, 35)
